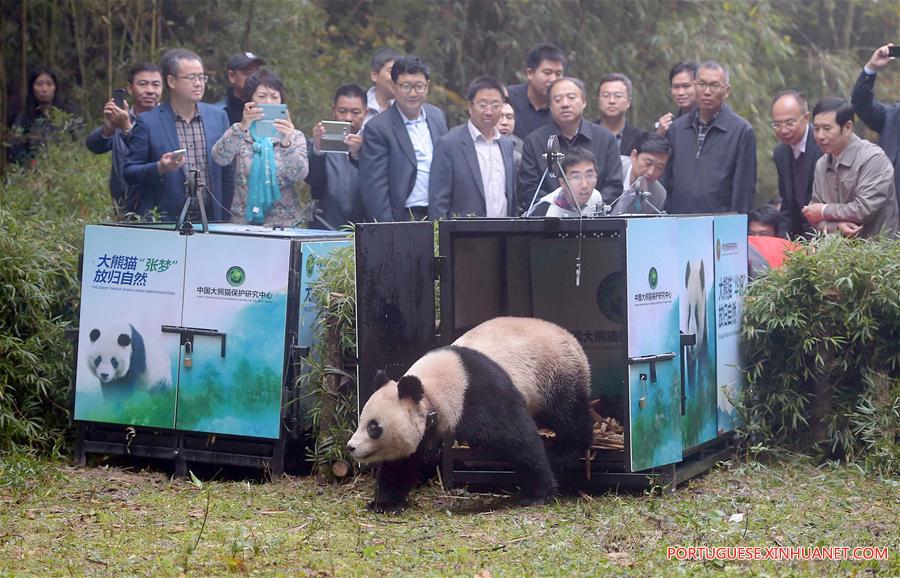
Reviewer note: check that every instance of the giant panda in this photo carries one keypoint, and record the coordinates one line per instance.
(124, 361)
(493, 387)
(695, 322)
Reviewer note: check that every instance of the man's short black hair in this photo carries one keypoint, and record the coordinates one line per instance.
(542, 52)
(843, 110)
(578, 155)
(409, 65)
(382, 56)
(616, 77)
(767, 215)
(263, 77)
(169, 61)
(687, 66)
(350, 91)
(484, 83)
(142, 67)
(650, 142)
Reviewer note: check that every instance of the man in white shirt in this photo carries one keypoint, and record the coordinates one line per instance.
(582, 199)
(473, 170)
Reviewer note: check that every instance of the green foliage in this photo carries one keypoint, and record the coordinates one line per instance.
(830, 316)
(335, 292)
(22, 471)
(42, 213)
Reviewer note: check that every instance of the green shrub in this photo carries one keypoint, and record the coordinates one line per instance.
(333, 409)
(42, 214)
(821, 336)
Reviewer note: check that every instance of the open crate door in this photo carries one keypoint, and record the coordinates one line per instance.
(653, 406)
(394, 298)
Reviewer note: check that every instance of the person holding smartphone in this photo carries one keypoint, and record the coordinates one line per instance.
(145, 88)
(266, 168)
(881, 117)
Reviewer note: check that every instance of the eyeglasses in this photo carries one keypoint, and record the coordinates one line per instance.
(418, 87)
(582, 178)
(192, 78)
(484, 105)
(788, 124)
(713, 86)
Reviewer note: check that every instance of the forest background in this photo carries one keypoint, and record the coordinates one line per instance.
(817, 47)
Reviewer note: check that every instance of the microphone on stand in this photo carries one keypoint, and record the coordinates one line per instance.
(553, 155)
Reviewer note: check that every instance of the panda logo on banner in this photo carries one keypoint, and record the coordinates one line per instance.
(235, 276)
(653, 278)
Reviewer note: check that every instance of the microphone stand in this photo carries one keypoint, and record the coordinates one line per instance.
(194, 192)
(640, 196)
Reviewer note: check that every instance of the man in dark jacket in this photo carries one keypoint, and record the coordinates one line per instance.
(145, 89)
(332, 177)
(712, 168)
(568, 100)
(613, 100)
(240, 66)
(882, 118)
(795, 160)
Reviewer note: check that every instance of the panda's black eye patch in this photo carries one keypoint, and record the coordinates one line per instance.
(124, 340)
(97, 360)
(374, 430)
(114, 362)
(95, 335)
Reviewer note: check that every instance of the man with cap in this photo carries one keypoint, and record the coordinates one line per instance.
(240, 66)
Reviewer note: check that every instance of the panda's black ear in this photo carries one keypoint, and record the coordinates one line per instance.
(124, 340)
(381, 378)
(702, 278)
(687, 274)
(95, 335)
(409, 386)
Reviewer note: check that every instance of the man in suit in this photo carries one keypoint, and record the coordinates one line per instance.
(878, 116)
(183, 122)
(613, 100)
(473, 172)
(795, 160)
(568, 99)
(398, 145)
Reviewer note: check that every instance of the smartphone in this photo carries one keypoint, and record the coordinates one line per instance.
(119, 97)
(894, 51)
(271, 112)
(179, 154)
(333, 139)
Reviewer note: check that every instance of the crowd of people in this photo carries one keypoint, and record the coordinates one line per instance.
(526, 149)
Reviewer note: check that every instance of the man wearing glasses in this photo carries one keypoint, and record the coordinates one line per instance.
(182, 122)
(473, 173)
(614, 99)
(795, 160)
(398, 145)
(712, 168)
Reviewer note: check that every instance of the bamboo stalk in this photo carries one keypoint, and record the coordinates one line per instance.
(25, 87)
(78, 43)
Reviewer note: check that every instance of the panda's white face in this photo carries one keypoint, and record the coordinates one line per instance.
(109, 353)
(390, 428)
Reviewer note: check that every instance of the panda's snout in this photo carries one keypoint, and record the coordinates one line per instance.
(351, 448)
(104, 377)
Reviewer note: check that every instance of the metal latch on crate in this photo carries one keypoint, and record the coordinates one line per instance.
(188, 334)
(652, 360)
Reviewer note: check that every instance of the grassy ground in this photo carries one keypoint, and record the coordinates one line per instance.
(56, 520)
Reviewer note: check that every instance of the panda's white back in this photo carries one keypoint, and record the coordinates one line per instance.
(444, 380)
(530, 350)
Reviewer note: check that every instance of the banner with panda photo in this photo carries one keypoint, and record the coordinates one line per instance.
(731, 285)
(132, 281)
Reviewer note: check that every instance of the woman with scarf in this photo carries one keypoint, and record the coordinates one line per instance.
(266, 168)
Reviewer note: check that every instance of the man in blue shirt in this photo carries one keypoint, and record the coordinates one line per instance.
(395, 159)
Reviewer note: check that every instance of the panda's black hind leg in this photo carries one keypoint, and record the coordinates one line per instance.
(511, 433)
(567, 413)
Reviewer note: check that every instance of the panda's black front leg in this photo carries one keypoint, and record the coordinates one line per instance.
(393, 483)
